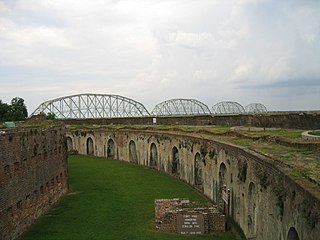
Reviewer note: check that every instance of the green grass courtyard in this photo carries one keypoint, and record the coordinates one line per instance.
(111, 199)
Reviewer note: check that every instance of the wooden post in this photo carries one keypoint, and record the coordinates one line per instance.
(228, 211)
(225, 200)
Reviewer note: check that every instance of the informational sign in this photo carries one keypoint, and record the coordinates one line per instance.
(154, 120)
(190, 224)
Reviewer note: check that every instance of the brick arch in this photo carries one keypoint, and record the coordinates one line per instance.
(153, 155)
(90, 146)
(223, 174)
(198, 179)
(69, 144)
(111, 149)
(133, 156)
(293, 234)
(175, 166)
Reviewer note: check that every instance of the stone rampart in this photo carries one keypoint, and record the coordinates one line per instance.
(33, 175)
(264, 201)
(294, 120)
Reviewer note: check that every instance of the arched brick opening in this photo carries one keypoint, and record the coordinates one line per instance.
(221, 182)
(153, 156)
(198, 181)
(133, 156)
(175, 161)
(90, 148)
(293, 234)
(69, 144)
(111, 150)
(252, 209)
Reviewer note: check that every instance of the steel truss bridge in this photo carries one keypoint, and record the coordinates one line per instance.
(228, 108)
(180, 107)
(112, 106)
(92, 106)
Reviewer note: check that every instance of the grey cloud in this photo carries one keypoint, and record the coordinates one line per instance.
(155, 50)
(288, 83)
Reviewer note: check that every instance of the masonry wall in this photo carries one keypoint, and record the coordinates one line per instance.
(265, 202)
(33, 175)
(295, 120)
(167, 210)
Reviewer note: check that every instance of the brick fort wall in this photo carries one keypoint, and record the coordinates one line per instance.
(264, 201)
(33, 175)
(295, 120)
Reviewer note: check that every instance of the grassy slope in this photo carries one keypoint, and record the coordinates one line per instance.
(316, 133)
(111, 200)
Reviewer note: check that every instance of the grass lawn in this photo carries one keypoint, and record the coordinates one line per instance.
(111, 200)
(316, 133)
(277, 133)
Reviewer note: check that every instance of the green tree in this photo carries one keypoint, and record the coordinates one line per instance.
(4, 111)
(17, 111)
(50, 116)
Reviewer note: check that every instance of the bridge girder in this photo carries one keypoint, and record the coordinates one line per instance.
(92, 106)
(228, 107)
(180, 106)
(256, 108)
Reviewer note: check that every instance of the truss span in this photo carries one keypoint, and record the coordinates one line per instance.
(92, 106)
(256, 108)
(180, 107)
(228, 108)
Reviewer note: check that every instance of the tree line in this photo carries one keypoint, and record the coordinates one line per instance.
(16, 111)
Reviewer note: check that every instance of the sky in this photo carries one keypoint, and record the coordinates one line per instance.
(265, 51)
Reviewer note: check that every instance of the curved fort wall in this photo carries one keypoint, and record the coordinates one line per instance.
(294, 120)
(33, 175)
(263, 200)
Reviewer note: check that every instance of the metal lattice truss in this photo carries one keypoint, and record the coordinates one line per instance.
(256, 108)
(180, 107)
(228, 108)
(92, 106)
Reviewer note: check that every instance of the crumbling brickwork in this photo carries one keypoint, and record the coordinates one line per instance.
(165, 213)
(168, 210)
(33, 175)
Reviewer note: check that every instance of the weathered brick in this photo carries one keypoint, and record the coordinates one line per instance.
(26, 169)
(166, 211)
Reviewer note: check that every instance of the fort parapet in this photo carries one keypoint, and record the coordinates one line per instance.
(264, 201)
(290, 120)
(33, 175)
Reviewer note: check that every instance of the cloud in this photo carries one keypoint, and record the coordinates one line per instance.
(289, 83)
(211, 50)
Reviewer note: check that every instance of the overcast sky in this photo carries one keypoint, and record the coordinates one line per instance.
(247, 51)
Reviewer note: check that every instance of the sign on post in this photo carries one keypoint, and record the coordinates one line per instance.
(154, 121)
(226, 199)
(190, 224)
(225, 196)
